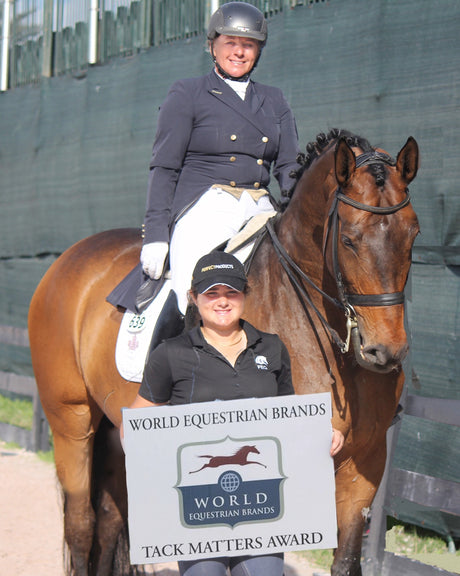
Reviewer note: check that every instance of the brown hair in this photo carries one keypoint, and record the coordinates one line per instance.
(194, 292)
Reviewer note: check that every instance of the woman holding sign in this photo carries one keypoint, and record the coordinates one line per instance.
(225, 358)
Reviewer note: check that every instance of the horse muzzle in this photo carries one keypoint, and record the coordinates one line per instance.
(377, 357)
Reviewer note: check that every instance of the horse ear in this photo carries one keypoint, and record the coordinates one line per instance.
(345, 162)
(407, 160)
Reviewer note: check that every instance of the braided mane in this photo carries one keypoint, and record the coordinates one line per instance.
(316, 148)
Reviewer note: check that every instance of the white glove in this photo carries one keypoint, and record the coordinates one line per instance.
(153, 258)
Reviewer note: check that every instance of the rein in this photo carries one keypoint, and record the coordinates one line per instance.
(346, 300)
(291, 269)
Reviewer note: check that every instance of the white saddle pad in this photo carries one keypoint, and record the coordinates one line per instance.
(135, 335)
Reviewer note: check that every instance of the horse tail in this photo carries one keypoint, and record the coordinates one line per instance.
(67, 560)
(110, 502)
(66, 555)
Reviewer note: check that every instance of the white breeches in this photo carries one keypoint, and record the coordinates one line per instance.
(214, 219)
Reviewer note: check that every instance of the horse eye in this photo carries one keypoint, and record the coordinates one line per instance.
(347, 242)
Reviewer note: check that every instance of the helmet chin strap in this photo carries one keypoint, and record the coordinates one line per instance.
(226, 76)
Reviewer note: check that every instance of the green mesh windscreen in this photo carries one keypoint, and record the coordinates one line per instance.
(74, 154)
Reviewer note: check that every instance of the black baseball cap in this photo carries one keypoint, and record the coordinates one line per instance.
(218, 268)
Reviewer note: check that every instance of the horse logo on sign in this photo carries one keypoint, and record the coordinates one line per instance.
(240, 458)
(241, 482)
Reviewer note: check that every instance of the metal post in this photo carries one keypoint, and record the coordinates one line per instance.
(93, 31)
(157, 32)
(40, 439)
(148, 23)
(5, 44)
(211, 7)
(47, 51)
(374, 546)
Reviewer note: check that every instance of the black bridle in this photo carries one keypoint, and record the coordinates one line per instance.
(388, 299)
(346, 300)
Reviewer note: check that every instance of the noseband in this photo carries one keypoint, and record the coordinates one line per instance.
(346, 300)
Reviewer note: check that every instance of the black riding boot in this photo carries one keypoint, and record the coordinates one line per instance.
(170, 321)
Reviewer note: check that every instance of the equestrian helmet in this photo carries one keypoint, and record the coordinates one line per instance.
(238, 19)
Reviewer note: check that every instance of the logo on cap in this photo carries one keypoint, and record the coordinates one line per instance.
(217, 267)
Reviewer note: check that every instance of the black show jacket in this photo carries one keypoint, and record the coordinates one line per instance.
(206, 134)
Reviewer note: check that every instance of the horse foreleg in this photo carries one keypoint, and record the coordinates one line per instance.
(354, 497)
(73, 467)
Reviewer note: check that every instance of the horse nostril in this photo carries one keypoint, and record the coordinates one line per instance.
(378, 354)
(381, 355)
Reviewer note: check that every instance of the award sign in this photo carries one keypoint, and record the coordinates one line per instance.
(230, 478)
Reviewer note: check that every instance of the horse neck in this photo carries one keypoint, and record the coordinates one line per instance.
(301, 227)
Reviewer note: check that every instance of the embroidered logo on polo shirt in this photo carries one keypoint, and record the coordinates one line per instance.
(261, 362)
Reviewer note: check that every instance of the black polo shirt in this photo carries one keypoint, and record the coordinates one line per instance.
(187, 369)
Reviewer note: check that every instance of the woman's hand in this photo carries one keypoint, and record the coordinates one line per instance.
(153, 258)
(337, 442)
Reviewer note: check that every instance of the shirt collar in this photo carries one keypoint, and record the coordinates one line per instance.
(237, 86)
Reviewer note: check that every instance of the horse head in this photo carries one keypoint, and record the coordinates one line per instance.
(247, 449)
(347, 235)
(369, 236)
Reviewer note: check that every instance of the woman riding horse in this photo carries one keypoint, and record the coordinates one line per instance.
(218, 137)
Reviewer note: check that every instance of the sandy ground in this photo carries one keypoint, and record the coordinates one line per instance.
(31, 521)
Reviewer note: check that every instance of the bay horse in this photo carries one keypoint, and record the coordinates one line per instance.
(239, 458)
(330, 268)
